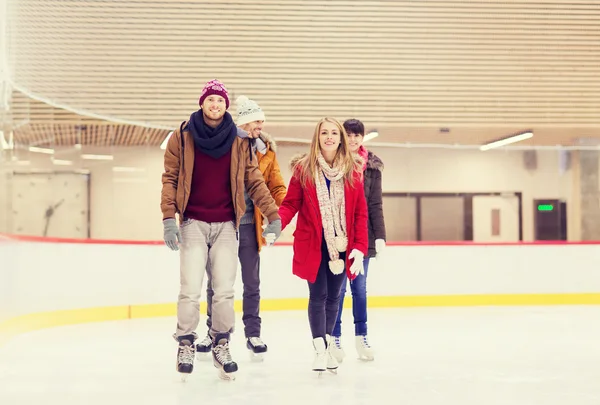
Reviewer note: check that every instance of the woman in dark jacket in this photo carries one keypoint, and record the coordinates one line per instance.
(373, 166)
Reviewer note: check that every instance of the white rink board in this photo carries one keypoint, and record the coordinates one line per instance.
(42, 276)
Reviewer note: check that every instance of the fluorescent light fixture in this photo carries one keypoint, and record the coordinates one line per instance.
(41, 150)
(370, 135)
(294, 140)
(506, 141)
(124, 169)
(60, 162)
(97, 157)
(131, 180)
(163, 145)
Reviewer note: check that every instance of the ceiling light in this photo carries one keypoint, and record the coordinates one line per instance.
(294, 140)
(97, 157)
(163, 145)
(59, 162)
(41, 150)
(124, 169)
(506, 141)
(370, 135)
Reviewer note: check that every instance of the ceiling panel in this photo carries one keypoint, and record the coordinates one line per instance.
(397, 64)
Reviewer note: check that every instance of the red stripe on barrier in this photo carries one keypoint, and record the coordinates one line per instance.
(471, 243)
(41, 239)
(27, 238)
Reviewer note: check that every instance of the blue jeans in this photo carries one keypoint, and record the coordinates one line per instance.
(358, 286)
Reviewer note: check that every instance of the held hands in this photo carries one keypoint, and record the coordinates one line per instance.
(379, 247)
(171, 234)
(272, 232)
(357, 267)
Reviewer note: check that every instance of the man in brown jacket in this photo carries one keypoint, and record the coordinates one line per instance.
(250, 118)
(207, 169)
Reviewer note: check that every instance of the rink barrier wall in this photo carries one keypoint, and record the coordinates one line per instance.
(48, 282)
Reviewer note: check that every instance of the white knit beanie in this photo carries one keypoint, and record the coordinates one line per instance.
(248, 111)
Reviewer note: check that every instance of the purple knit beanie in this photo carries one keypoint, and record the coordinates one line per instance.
(214, 87)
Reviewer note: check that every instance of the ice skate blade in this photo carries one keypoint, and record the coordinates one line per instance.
(333, 370)
(184, 377)
(226, 376)
(319, 371)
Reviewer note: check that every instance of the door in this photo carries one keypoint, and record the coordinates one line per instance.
(496, 218)
(443, 218)
(402, 212)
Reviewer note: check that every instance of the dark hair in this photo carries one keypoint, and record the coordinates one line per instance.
(354, 126)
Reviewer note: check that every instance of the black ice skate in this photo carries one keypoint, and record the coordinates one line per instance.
(222, 359)
(185, 356)
(204, 348)
(257, 348)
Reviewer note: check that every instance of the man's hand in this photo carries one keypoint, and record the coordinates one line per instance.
(171, 234)
(272, 232)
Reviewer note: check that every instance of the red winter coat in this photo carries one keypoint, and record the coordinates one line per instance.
(308, 235)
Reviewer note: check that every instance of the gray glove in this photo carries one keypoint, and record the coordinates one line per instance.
(272, 232)
(171, 234)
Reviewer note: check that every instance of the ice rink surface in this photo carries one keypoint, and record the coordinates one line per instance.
(463, 356)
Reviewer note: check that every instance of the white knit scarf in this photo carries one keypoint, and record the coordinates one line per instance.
(333, 212)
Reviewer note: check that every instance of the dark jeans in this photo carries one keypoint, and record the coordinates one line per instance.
(250, 261)
(358, 286)
(324, 297)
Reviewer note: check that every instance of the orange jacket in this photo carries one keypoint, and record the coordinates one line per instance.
(268, 166)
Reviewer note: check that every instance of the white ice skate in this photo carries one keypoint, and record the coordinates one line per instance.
(185, 358)
(332, 364)
(336, 349)
(222, 360)
(203, 348)
(364, 350)
(320, 361)
(257, 348)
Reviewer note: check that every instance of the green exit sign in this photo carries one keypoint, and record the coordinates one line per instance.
(545, 207)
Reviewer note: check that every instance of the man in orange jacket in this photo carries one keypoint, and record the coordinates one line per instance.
(251, 118)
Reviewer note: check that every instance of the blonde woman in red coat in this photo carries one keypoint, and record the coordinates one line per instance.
(331, 237)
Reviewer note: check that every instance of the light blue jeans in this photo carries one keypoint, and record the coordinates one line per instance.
(202, 242)
(358, 286)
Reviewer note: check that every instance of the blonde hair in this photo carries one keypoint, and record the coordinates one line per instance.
(307, 167)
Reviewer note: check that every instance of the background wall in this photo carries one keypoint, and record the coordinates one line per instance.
(124, 194)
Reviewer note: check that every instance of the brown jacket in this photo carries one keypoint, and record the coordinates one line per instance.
(269, 168)
(177, 178)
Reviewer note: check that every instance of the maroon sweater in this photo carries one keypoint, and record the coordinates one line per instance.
(210, 197)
